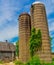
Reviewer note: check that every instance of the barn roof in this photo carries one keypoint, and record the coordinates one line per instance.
(5, 46)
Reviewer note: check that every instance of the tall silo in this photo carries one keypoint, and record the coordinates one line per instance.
(24, 36)
(39, 21)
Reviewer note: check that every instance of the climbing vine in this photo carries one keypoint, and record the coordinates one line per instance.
(35, 41)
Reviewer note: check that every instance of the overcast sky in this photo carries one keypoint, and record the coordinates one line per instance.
(10, 11)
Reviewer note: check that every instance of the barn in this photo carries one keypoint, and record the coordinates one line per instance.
(7, 51)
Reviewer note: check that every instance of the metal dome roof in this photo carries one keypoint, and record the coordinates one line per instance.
(37, 2)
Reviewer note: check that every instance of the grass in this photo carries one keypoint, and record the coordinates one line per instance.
(1, 62)
(17, 62)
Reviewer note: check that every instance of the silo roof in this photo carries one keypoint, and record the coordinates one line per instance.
(24, 13)
(37, 2)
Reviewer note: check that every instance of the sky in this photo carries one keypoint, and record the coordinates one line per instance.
(9, 13)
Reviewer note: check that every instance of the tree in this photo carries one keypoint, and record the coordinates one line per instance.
(17, 48)
(51, 40)
(35, 41)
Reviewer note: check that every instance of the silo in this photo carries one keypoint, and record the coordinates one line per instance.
(39, 21)
(24, 36)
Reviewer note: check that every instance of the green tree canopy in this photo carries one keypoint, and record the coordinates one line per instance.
(51, 40)
(17, 48)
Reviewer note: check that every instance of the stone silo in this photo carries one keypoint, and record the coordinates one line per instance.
(24, 36)
(39, 21)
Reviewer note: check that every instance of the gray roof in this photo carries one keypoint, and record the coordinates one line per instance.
(5, 46)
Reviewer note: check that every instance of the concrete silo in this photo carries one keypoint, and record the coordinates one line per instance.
(24, 35)
(39, 21)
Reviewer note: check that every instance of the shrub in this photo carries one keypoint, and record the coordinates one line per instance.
(34, 61)
(18, 62)
(52, 59)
